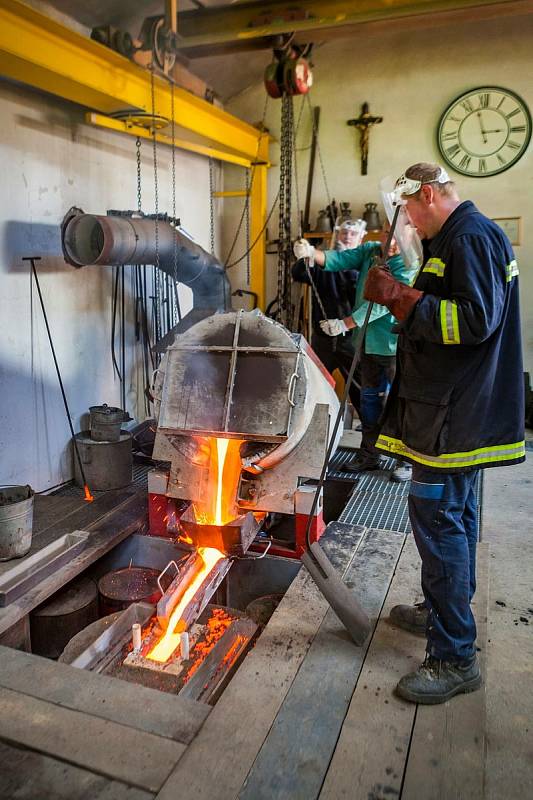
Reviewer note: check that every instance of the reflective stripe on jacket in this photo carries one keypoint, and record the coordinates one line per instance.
(457, 402)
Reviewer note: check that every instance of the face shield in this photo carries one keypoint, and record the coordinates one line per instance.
(405, 234)
(349, 234)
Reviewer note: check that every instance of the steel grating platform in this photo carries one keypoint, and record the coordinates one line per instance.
(140, 481)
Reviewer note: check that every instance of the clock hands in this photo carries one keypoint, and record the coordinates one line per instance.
(483, 132)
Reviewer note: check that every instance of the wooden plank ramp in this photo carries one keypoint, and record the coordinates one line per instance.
(218, 760)
(26, 775)
(448, 747)
(172, 717)
(389, 748)
(295, 756)
(372, 748)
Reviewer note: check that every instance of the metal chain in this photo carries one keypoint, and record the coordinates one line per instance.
(284, 237)
(252, 176)
(139, 195)
(212, 205)
(156, 207)
(247, 228)
(176, 310)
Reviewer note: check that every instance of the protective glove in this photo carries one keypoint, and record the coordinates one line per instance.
(333, 327)
(302, 249)
(382, 288)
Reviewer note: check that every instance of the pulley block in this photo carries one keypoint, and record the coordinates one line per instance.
(289, 75)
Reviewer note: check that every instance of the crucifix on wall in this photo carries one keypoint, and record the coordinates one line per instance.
(363, 124)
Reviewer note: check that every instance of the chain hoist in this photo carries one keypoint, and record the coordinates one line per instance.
(138, 157)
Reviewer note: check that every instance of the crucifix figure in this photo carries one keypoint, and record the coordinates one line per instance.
(363, 124)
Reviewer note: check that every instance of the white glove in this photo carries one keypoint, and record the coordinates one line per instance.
(302, 249)
(333, 327)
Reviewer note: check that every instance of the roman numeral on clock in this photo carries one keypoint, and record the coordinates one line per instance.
(448, 136)
(465, 161)
(518, 129)
(484, 100)
(482, 165)
(467, 105)
(513, 145)
(453, 150)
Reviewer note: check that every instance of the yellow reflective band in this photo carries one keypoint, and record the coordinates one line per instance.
(511, 271)
(449, 322)
(436, 266)
(470, 458)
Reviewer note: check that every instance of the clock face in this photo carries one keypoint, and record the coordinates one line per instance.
(484, 131)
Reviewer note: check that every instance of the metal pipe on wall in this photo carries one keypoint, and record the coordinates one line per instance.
(90, 239)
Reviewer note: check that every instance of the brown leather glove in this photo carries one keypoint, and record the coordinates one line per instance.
(382, 288)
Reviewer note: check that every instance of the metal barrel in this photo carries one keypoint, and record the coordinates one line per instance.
(16, 521)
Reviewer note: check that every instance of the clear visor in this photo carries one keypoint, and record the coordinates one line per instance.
(405, 234)
(348, 234)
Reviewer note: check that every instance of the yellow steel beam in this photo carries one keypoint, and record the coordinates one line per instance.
(120, 126)
(236, 193)
(243, 22)
(39, 51)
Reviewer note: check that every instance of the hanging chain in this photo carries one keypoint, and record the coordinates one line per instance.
(247, 188)
(176, 305)
(284, 237)
(138, 154)
(156, 207)
(212, 205)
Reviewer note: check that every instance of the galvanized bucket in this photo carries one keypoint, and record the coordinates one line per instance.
(16, 521)
(106, 422)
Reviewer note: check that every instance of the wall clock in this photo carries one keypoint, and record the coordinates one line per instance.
(484, 131)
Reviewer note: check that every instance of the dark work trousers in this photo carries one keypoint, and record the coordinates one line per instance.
(336, 352)
(377, 374)
(442, 511)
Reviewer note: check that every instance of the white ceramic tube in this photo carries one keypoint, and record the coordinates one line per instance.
(184, 645)
(136, 636)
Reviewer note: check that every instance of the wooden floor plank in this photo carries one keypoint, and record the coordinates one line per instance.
(447, 755)
(218, 760)
(27, 775)
(109, 749)
(295, 756)
(372, 748)
(102, 696)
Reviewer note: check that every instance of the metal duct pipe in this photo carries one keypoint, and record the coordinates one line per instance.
(90, 239)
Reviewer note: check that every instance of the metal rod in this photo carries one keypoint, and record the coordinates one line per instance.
(32, 260)
(312, 156)
(340, 414)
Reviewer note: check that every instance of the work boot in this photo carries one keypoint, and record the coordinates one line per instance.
(363, 463)
(436, 681)
(410, 618)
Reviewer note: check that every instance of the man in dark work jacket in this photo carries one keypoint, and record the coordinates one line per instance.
(456, 406)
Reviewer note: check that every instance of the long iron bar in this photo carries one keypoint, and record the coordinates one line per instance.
(88, 495)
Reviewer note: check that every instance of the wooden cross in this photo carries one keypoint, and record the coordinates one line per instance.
(363, 124)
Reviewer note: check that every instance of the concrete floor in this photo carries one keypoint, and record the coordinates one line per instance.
(508, 527)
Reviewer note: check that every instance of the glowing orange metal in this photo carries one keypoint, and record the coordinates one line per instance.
(88, 496)
(171, 638)
(224, 472)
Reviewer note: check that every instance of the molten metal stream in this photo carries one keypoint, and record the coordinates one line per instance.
(171, 639)
(222, 449)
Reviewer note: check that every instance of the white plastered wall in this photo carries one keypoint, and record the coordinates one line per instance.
(51, 160)
(410, 78)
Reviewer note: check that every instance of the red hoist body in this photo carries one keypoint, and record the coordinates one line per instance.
(290, 74)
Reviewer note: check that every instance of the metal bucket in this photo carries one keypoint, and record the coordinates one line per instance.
(107, 465)
(16, 521)
(106, 422)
